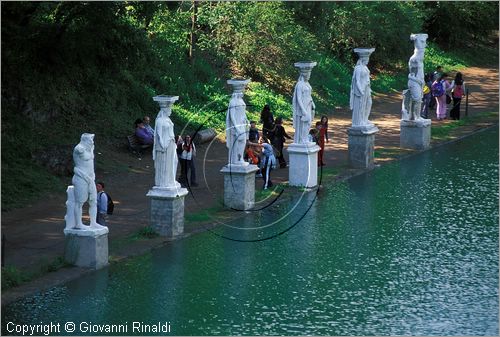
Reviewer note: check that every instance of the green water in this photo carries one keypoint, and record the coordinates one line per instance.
(409, 248)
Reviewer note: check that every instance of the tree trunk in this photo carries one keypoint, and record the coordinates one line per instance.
(192, 35)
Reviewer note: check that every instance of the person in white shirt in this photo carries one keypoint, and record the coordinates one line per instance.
(187, 162)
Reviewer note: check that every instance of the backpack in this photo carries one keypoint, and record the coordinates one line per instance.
(437, 89)
(111, 204)
(458, 91)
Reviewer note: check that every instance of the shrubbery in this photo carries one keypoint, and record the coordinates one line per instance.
(74, 67)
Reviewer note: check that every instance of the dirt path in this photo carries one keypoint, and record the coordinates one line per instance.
(34, 234)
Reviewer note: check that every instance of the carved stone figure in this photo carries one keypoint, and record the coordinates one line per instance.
(237, 125)
(416, 77)
(361, 100)
(302, 103)
(164, 148)
(84, 181)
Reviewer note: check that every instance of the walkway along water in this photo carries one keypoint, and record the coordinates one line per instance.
(35, 232)
(408, 248)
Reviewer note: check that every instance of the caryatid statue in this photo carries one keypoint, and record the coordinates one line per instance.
(84, 181)
(361, 99)
(302, 103)
(165, 147)
(237, 125)
(413, 97)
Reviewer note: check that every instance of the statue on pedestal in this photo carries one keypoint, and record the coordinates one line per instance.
(303, 104)
(237, 125)
(165, 147)
(361, 100)
(413, 96)
(84, 181)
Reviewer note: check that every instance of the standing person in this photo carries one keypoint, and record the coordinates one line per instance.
(102, 204)
(439, 90)
(267, 120)
(279, 141)
(322, 127)
(267, 164)
(187, 162)
(427, 98)
(433, 77)
(253, 133)
(146, 120)
(457, 91)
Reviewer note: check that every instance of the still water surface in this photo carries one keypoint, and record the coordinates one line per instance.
(409, 248)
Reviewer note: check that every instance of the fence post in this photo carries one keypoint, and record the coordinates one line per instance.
(466, 102)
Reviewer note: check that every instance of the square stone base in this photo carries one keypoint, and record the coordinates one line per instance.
(415, 135)
(86, 247)
(167, 211)
(303, 170)
(239, 186)
(361, 147)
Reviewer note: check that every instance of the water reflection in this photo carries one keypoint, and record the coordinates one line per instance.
(409, 248)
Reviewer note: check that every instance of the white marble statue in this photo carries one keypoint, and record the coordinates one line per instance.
(415, 78)
(303, 104)
(165, 147)
(361, 99)
(84, 181)
(237, 125)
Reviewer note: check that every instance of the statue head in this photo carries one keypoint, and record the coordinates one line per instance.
(87, 138)
(305, 69)
(364, 54)
(420, 40)
(165, 103)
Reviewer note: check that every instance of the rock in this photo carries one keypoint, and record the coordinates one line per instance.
(204, 136)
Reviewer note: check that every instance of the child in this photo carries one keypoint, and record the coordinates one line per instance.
(267, 164)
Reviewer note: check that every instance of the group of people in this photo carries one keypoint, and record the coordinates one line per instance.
(266, 150)
(143, 130)
(186, 150)
(319, 135)
(439, 92)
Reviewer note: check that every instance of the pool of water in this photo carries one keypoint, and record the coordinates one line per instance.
(408, 248)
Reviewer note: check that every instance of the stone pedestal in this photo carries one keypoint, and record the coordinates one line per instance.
(303, 170)
(415, 135)
(86, 247)
(239, 186)
(167, 210)
(361, 146)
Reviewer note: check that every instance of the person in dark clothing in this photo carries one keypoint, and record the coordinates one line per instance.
(253, 133)
(280, 136)
(322, 127)
(267, 120)
(457, 92)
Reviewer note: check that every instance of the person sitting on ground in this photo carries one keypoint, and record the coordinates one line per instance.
(268, 163)
(102, 204)
(279, 141)
(146, 120)
(140, 132)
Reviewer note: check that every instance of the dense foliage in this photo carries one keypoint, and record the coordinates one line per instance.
(73, 67)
